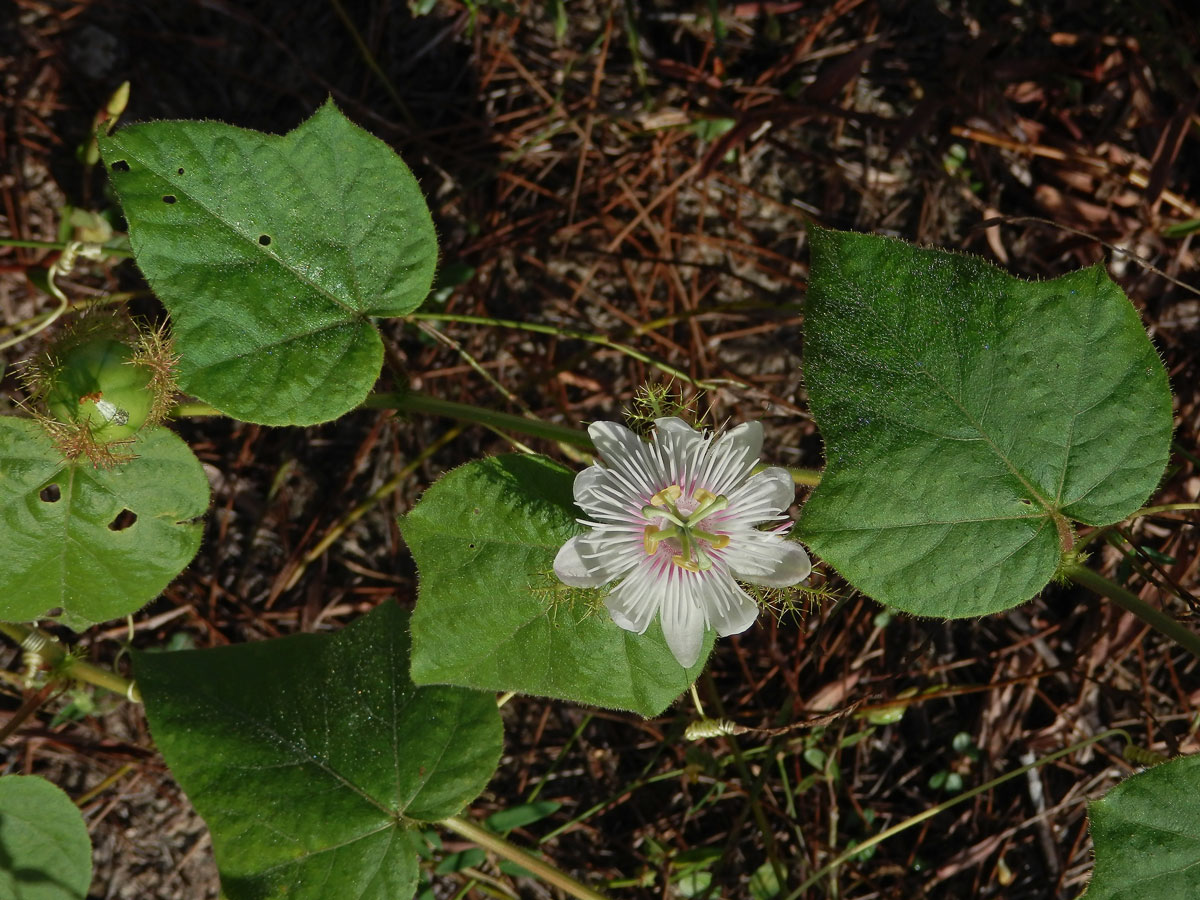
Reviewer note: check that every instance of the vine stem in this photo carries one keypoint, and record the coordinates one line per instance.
(416, 402)
(568, 334)
(68, 666)
(412, 401)
(1131, 602)
(942, 807)
(501, 847)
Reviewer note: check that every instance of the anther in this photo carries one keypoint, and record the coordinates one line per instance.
(667, 495)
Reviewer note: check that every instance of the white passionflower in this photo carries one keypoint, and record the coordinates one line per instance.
(677, 519)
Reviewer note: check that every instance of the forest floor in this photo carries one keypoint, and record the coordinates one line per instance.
(645, 172)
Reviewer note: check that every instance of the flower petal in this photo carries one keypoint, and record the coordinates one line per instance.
(728, 608)
(627, 454)
(770, 491)
(572, 569)
(745, 440)
(731, 457)
(793, 567)
(585, 482)
(633, 603)
(683, 621)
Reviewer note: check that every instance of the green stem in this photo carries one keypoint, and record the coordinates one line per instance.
(411, 401)
(1131, 602)
(941, 807)
(501, 847)
(415, 402)
(194, 409)
(67, 665)
(569, 334)
(58, 245)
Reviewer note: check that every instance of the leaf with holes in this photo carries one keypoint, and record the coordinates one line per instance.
(45, 851)
(1146, 832)
(969, 418)
(272, 255)
(97, 542)
(491, 614)
(315, 760)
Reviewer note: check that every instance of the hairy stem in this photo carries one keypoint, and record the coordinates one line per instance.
(66, 665)
(411, 401)
(1131, 602)
(501, 847)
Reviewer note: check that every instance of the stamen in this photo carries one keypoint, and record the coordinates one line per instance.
(718, 541)
(667, 495)
(684, 563)
(653, 536)
(711, 505)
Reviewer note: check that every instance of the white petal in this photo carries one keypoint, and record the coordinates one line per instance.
(683, 622)
(572, 569)
(744, 441)
(627, 455)
(674, 425)
(614, 441)
(730, 610)
(773, 488)
(681, 437)
(633, 603)
(585, 482)
(793, 567)
(731, 457)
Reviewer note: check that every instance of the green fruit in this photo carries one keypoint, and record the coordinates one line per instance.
(95, 384)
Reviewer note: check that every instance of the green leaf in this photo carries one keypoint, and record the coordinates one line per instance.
(968, 418)
(315, 760)
(1146, 832)
(490, 612)
(45, 851)
(272, 254)
(764, 883)
(67, 536)
(520, 816)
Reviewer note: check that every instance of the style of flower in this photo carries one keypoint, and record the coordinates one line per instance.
(677, 519)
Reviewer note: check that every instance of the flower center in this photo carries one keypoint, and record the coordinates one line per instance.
(681, 529)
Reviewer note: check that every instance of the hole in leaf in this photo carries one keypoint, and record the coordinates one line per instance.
(179, 171)
(265, 240)
(1025, 501)
(120, 166)
(470, 546)
(125, 518)
(50, 493)
(169, 198)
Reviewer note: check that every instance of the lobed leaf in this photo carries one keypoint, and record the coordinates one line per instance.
(272, 255)
(490, 612)
(99, 543)
(45, 851)
(315, 760)
(969, 418)
(1146, 833)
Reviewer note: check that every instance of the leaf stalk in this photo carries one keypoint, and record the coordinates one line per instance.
(538, 867)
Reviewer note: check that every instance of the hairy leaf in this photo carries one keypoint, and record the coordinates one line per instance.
(491, 613)
(272, 254)
(969, 418)
(315, 760)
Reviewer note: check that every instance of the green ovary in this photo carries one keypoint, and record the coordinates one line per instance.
(95, 384)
